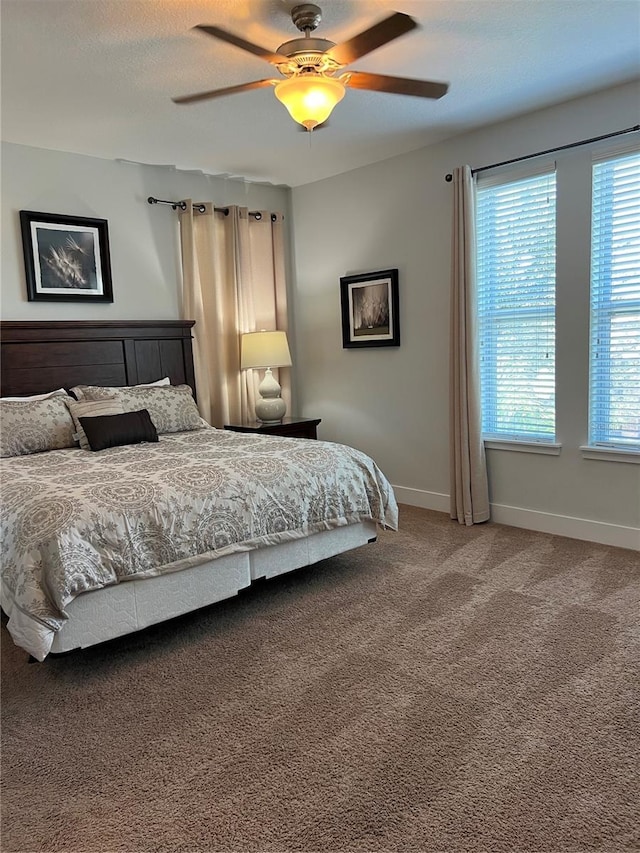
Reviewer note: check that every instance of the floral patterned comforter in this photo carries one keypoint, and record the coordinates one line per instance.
(74, 521)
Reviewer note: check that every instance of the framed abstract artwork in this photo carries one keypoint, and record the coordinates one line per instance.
(370, 309)
(66, 258)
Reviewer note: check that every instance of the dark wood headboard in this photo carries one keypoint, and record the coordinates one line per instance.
(41, 356)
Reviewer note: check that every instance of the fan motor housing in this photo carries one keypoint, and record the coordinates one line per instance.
(307, 51)
(295, 47)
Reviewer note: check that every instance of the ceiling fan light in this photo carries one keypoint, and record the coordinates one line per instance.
(310, 98)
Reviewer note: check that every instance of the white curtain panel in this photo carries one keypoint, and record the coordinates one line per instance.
(468, 470)
(230, 264)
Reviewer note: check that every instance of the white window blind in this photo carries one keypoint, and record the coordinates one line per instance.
(516, 241)
(614, 387)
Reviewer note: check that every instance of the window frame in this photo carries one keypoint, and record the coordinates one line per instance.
(519, 441)
(603, 309)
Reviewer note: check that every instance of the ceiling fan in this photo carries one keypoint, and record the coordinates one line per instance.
(311, 67)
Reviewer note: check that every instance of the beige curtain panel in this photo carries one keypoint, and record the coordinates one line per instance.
(266, 243)
(233, 281)
(468, 470)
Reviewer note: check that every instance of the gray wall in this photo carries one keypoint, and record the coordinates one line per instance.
(145, 255)
(393, 403)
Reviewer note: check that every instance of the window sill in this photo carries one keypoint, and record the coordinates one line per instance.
(611, 454)
(545, 448)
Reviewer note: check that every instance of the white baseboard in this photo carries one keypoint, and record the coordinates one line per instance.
(425, 500)
(531, 519)
(567, 525)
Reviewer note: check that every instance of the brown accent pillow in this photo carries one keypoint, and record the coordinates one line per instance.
(104, 431)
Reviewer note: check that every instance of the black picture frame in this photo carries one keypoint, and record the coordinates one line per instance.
(370, 309)
(66, 258)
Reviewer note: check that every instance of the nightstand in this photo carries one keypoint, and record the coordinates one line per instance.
(293, 427)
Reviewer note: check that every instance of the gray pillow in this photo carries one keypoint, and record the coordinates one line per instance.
(78, 390)
(35, 425)
(171, 407)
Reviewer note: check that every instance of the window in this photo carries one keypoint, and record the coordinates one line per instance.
(516, 240)
(614, 386)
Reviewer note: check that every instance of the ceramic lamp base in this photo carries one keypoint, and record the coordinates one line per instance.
(270, 408)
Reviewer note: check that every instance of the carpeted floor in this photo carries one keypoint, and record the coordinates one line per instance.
(446, 689)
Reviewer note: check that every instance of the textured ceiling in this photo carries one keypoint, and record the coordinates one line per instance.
(97, 76)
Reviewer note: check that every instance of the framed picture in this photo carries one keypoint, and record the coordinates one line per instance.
(370, 309)
(66, 258)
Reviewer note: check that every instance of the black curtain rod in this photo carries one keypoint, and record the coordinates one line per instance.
(636, 127)
(201, 208)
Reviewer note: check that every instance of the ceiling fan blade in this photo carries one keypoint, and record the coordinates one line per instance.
(381, 33)
(218, 93)
(238, 41)
(396, 85)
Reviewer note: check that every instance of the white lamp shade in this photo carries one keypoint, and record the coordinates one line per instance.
(264, 349)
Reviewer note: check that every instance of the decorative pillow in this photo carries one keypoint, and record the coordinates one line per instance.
(84, 409)
(115, 430)
(171, 407)
(34, 396)
(35, 425)
(78, 390)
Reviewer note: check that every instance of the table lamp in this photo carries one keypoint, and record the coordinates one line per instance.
(266, 350)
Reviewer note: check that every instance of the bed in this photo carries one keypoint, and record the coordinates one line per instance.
(97, 545)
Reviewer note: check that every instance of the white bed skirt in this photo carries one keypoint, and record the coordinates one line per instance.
(127, 607)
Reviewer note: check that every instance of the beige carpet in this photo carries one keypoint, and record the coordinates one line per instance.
(446, 689)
